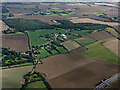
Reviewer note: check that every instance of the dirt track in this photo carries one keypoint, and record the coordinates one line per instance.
(17, 42)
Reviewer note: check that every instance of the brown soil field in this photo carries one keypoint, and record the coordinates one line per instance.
(113, 45)
(17, 42)
(70, 45)
(88, 20)
(101, 35)
(74, 70)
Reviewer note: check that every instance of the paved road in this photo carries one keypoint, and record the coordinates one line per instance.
(107, 82)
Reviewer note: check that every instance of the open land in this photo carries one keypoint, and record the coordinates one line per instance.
(70, 45)
(17, 42)
(113, 45)
(73, 68)
(15, 76)
(4, 26)
(88, 20)
(101, 35)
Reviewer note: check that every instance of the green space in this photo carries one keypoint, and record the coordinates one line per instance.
(101, 14)
(112, 31)
(43, 53)
(100, 52)
(85, 40)
(37, 84)
(61, 50)
(15, 76)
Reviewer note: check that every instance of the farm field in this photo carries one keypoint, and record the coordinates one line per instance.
(86, 76)
(70, 45)
(88, 20)
(101, 35)
(15, 76)
(72, 68)
(113, 45)
(100, 52)
(19, 42)
(112, 31)
(4, 26)
(85, 40)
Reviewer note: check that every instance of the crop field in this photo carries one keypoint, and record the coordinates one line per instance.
(17, 42)
(101, 35)
(15, 76)
(4, 26)
(85, 40)
(72, 68)
(113, 45)
(112, 31)
(70, 45)
(88, 20)
(100, 52)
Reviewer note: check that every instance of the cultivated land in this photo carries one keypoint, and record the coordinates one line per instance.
(88, 20)
(112, 31)
(100, 52)
(67, 71)
(113, 45)
(15, 76)
(4, 26)
(17, 42)
(101, 35)
(70, 45)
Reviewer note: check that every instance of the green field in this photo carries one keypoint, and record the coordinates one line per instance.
(85, 40)
(112, 31)
(43, 54)
(100, 52)
(15, 76)
(37, 84)
(99, 14)
(61, 50)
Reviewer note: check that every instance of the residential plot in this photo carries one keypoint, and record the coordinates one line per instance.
(101, 35)
(114, 46)
(88, 20)
(15, 76)
(70, 45)
(17, 42)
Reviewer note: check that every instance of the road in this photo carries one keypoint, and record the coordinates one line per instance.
(107, 82)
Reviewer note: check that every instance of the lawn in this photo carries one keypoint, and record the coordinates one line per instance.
(37, 84)
(13, 77)
(61, 50)
(100, 52)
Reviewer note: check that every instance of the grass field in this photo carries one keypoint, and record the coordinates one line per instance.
(112, 31)
(15, 76)
(37, 84)
(98, 51)
(85, 40)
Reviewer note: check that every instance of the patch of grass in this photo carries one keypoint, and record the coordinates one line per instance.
(43, 53)
(99, 14)
(61, 50)
(37, 84)
(85, 40)
(100, 52)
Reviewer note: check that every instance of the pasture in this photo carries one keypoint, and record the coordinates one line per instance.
(15, 76)
(70, 45)
(85, 40)
(17, 42)
(100, 52)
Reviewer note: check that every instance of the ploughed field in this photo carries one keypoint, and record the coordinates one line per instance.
(17, 42)
(74, 70)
